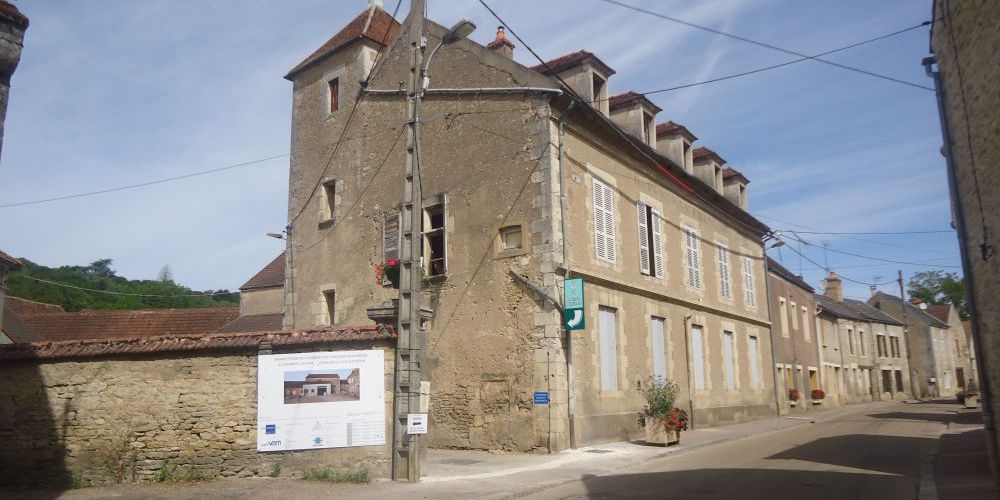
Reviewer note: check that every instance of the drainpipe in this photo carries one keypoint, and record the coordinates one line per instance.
(570, 403)
(687, 359)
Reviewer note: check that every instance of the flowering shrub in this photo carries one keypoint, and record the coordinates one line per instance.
(818, 394)
(388, 270)
(793, 394)
(661, 394)
(677, 420)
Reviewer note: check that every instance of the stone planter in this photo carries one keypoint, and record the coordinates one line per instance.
(972, 401)
(656, 434)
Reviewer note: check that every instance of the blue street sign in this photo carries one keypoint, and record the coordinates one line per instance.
(541, 398)
(573, 304)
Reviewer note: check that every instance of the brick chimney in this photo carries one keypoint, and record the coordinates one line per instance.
(501, 45)
(834, 290)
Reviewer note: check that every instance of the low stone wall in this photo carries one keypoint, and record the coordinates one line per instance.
(142, 416)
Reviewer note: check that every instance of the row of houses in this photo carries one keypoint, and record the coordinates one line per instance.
(532, 175)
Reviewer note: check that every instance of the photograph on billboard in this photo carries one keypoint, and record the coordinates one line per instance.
(326, 399)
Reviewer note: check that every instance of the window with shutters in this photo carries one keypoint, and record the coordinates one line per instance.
(390, 236)
(692, 255)
(656, 330)
(725, 290)
(334, 87)
(749, 294)
(607, 329)
(754, 348)
(435, 242)
(698, 356)
(729, 359)
(604, 221)
(650, 242)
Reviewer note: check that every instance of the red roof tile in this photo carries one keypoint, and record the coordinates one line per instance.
(9, 261)
(9, 12)
(25, 306)
(570, 60)
(273, 275)
(110, 324)
(373, 24)
(254, 323)
(626, 98)
(705, 153)
(669, 127)
(939, 311)
(730, 172)
(182, 343)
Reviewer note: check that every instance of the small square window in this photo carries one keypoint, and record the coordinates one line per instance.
(510, 238)
(334, 86)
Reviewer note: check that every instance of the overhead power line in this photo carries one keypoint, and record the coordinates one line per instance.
(66, 285)
(827, 268)
(775, 66)
(143, 184)
(879, 259)
(875, 232)
(766, 45)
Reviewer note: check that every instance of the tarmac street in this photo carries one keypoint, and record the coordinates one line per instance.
(883, 451)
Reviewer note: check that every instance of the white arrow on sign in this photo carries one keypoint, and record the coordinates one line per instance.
(577, 318)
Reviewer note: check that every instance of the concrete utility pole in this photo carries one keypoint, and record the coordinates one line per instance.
(906, 336)
(411, 341)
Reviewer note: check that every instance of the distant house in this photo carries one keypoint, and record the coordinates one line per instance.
(262, 300)
(795, 343)
(7, 263)
(961, 347)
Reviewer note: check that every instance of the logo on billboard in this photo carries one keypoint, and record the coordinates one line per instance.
(270, 429)
(273, 443)
(317, 441)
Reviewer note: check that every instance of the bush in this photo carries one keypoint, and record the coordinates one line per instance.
(661, 396)
(818, 394)
(336, 476)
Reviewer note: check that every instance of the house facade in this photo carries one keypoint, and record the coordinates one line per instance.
(794, 339)
(961, 350)
(522, 178)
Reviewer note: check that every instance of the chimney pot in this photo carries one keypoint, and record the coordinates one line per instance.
(834, 290)
(501, 44)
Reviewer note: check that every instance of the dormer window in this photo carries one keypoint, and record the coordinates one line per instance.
(598, 84)
(688, 159)
(648, 131)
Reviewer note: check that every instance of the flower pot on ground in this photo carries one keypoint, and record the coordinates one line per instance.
(663, 421)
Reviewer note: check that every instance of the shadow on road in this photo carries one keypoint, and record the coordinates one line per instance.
(943, 418)
(747, 484)
(889, 454)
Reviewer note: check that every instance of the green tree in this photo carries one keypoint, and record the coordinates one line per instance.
(939, 287)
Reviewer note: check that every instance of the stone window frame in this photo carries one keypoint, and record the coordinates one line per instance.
(502, 252)
(329, 199)
(338, 73)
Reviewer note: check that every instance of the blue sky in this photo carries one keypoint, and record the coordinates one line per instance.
(122, 92)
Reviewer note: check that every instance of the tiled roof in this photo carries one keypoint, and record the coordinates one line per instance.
(254, 323)
(939, 311)
(626, 98)
(273, 275)
(14, 328)
(374, 24)
(182, 343)
(570, 60)
(870, 313)
(911, 310)
(705, 153)
(25, 306)
(9, 12)
(111, 324)
(730, 172)
(836, 308)
(9, 261)
(782, 271)
(669, 127)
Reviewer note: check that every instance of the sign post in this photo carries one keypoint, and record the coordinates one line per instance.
(573, 313)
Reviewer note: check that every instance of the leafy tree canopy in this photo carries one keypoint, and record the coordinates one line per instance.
(99, 275)
(939, 287)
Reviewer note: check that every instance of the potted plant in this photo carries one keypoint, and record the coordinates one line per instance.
(662, 420)
(387, 273)
(817, 396)
(793, 396)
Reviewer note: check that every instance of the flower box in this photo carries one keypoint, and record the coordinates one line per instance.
(657, 433)
(972, 401)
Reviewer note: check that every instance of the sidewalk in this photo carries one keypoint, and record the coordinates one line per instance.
(961, 466)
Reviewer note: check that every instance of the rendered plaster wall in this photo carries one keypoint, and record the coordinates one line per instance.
(128, 417)
(800, 347)
(262, 301)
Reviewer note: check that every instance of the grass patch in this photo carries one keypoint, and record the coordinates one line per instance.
(336, 476)
(77, 481)
(170, 472)
(275, 469)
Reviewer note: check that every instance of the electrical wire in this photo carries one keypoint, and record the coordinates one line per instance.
(828, 269)
(766, 45)
(773, 66)
(66, 285)
(804, 242)
(143, 184)
(875, 232)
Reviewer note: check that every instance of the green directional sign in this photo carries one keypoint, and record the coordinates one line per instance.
(573, 311)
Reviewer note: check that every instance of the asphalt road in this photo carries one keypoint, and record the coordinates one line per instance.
(876, 454)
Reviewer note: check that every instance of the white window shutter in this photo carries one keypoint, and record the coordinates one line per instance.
(656, 220)
(390, 236)
(729, 361)
(750, 295)
(698, 355)
(643, 238)
(602, 251)
(656, 326)
(604, 221)
(724, 287)
(608, 332)
(693, 257)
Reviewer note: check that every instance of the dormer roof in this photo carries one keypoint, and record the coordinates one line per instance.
(621, 100)
(704, 153)
(562, 63)
(374, 24)
(732, 173)
(671, 128)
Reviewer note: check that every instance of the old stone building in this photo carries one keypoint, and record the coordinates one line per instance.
(262, 300)
(960, 351)
(793, 338)
(931, 343)
(864, 352)
(964, 39)
(539, 172)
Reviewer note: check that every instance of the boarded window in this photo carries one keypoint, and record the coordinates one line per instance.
(729, 359)
(749, 294)
(692, 253)
(609, 348)
(850, 340)
(725, 290)
(604, 221)
(698, 355)
(656, 327)
(754, 348)
(390, 236)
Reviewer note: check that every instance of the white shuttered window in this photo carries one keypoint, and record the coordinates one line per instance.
(655, 223)
(650, 242)
(723, 256)
(698, 355)
(607, 330)
(749, 295)
(604, 221)
(693, 255)
(643, 217)
(729, 361)
(659, 347)
(754, 348)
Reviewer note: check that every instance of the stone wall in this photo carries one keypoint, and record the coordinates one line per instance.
(131, 417)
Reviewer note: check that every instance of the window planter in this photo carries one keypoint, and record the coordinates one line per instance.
(656, 433)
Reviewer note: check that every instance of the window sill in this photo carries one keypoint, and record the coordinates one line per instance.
(513, 252)
(327, 223)
(438, 278)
